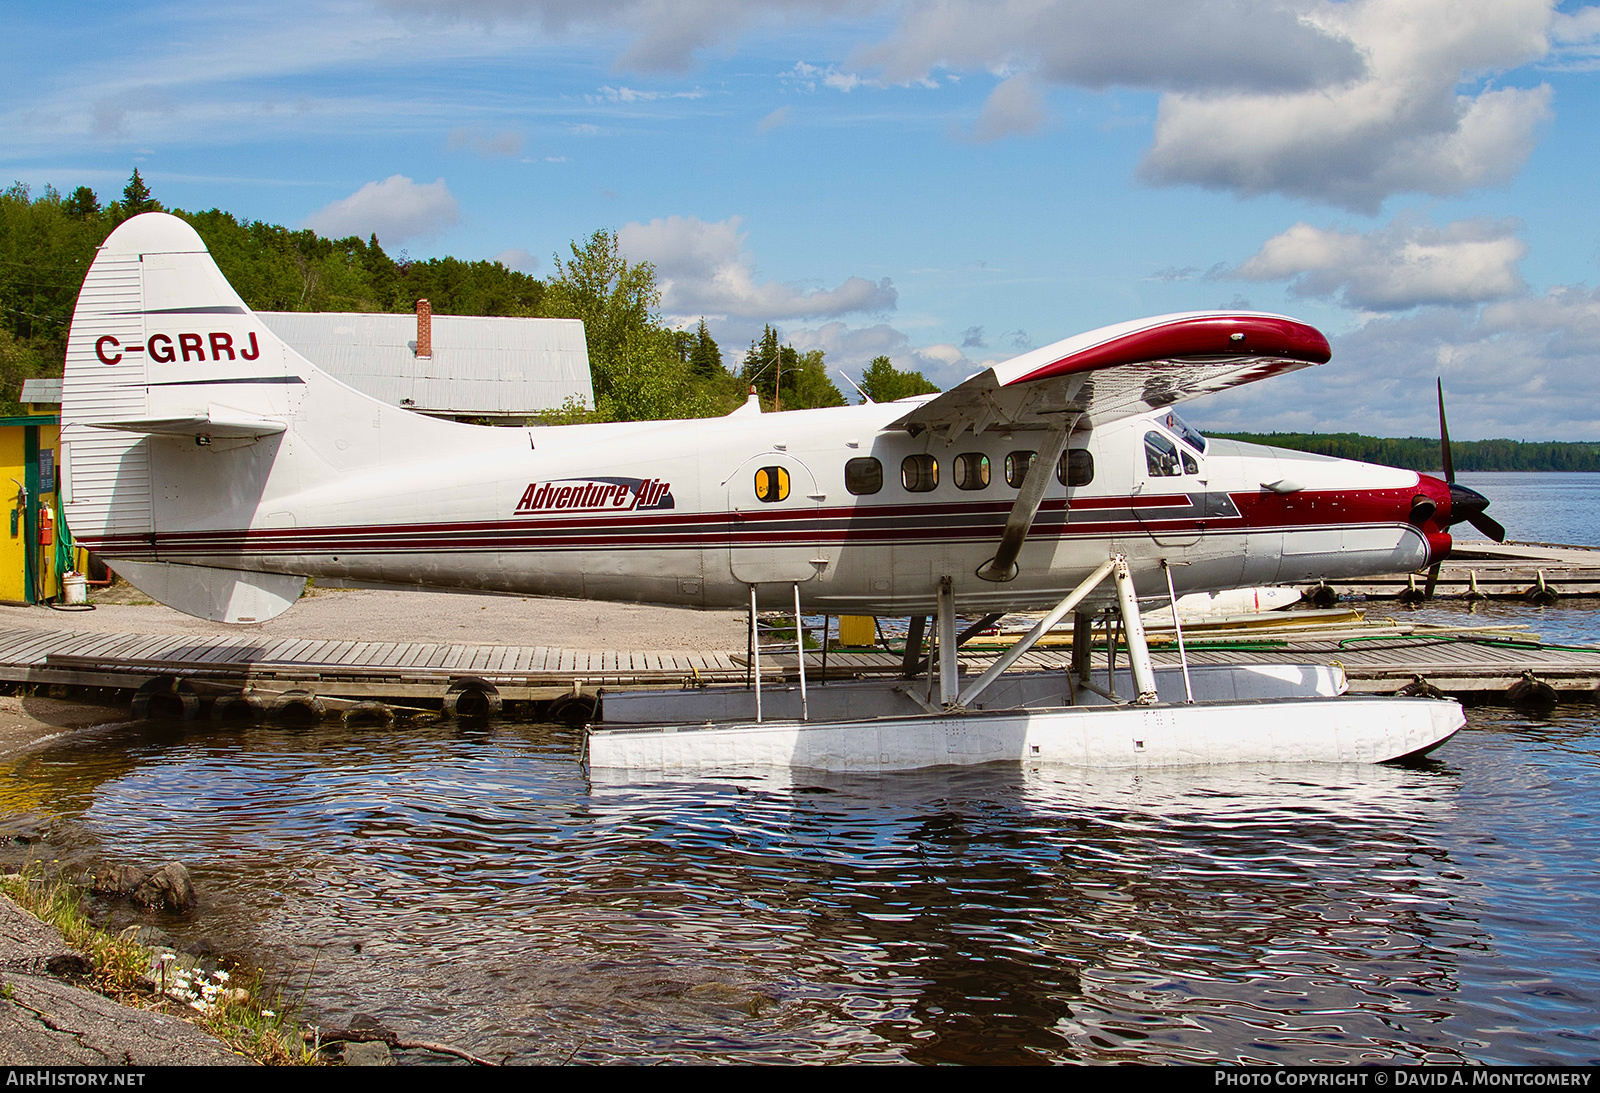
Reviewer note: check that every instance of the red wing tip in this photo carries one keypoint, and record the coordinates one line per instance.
(1198, 336)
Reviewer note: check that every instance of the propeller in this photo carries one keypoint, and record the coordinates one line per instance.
(1465, 504)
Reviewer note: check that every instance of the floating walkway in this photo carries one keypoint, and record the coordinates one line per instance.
(1496, 571)
(565, 682)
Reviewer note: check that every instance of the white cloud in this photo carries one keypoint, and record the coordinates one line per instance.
(773, 120)
(517, 258)
(110, 114)
(395, 210)
(1400, 127)
(664, 36)
(852, 349)
(1524, 368)
(702, 270)
(633, 94)
(506, 143)
(1404, 265)
(1014, 107)
(808, 76)
(1180, 45)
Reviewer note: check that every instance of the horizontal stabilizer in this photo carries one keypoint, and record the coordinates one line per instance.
(221, 595)
(217, 421)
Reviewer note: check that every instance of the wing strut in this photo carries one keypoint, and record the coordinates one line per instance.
(1003, 566)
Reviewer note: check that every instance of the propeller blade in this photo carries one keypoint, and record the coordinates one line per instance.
(1433, 579)
(1488, 525)
(1444, 439)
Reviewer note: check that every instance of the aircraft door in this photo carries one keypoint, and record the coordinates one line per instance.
(1168, 496)
(773, 506)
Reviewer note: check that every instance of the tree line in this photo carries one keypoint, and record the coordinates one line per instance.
(1420, 453)
(642, 368)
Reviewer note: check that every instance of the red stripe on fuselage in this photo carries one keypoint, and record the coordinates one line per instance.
(896, 523)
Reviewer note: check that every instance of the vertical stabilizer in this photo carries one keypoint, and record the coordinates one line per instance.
(163, 351)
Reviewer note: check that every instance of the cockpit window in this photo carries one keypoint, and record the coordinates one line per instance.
(1161, 455)
(1184, 431)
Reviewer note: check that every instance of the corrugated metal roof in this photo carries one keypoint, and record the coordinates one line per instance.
(481, 366)
(49, 390)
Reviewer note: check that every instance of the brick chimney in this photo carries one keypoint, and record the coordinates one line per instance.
(424, 329)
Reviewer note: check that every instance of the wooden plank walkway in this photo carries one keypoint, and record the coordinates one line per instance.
(1498, 570)
(1467, 667)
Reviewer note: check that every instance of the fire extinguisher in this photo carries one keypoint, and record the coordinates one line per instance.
(47, 527)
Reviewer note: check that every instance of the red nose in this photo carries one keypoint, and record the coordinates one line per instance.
(1430, 513)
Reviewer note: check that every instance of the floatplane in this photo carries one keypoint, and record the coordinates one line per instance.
(216, 469)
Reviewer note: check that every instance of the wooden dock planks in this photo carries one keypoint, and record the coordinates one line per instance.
(372, 669)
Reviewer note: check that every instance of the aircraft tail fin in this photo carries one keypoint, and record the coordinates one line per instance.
(164, 357)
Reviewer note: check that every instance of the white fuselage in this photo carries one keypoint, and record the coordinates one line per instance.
(669, 512)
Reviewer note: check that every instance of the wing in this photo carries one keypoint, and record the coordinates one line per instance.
(1118, 371)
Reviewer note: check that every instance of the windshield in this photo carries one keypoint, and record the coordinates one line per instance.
(1184, 431)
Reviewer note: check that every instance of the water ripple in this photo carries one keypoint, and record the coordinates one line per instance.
(478, 887)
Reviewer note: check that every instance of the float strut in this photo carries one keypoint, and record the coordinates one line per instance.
(755, 651)
(1177, 628)
(949, 682)
(1144, 676)
(1043, 627)
(800, 653)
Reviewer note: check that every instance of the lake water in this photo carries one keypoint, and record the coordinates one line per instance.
(479, 887)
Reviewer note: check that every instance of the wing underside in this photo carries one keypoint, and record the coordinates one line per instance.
(1121, 371)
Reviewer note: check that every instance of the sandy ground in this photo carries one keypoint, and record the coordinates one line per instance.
(366, 615)
(363, 615)
(26, 720)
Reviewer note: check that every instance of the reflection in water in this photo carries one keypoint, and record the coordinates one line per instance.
(478, 887)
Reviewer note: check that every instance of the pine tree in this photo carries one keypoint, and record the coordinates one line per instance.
(136, 197)
(83, 204)
(704, 357)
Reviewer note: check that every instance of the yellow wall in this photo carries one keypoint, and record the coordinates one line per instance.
(12, 465)
(13, 547)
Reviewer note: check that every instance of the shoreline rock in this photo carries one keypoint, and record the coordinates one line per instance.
(48, 1020)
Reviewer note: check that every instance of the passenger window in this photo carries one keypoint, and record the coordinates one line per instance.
(919, 473)
(772, 484)
(1017, 464)
(971, 471)
(1076, 467)
(863, 475)
(1189, 464)
(1160, 456)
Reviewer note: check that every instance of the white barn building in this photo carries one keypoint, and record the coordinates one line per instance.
(455, 366)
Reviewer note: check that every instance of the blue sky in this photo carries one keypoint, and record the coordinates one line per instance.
(946, 182)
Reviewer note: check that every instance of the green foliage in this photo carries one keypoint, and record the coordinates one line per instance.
(47, 244)
(83, 203)
(640, 368)
(883, 382)
(45, 249)
(275, 269)
(704, 356)
(18, 362)
(136, 198)
(803, 377)
(1420, 453)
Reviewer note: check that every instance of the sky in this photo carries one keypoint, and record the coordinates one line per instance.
(947, 182)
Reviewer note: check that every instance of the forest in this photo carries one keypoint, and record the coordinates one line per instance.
(642, 368)
(1421, 453)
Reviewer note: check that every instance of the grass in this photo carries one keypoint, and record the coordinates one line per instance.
(237, 1007)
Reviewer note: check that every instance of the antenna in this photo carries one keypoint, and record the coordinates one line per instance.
(864, 396)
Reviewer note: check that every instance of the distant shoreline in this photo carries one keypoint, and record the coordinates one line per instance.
(1418, 453)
